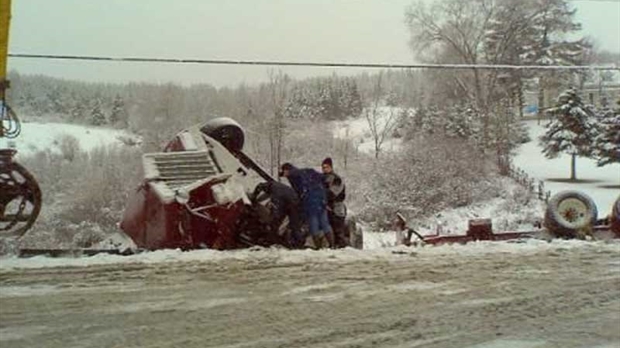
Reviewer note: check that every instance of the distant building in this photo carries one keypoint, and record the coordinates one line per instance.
(601, 89)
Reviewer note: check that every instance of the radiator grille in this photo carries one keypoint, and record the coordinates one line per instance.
(178, 169)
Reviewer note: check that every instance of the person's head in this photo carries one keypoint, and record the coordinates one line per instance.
(327, 166)
(285, 169)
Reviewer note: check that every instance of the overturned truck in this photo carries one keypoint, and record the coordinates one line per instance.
(198, 193)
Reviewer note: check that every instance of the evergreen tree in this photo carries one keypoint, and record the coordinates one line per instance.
(55, 100)
(97, 118)
(77, 111)
(118, 115)
(353, 100)
(572, 129)
(608, 142)
(324, 101)
(431, 120)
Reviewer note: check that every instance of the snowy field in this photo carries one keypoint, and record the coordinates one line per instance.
(42, 136)
(358, 131)
(600, 183)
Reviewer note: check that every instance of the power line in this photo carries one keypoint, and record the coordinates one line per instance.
(314, 64)
(612, 1)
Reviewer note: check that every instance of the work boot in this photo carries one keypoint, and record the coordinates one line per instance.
(330, 239)
(319, 242)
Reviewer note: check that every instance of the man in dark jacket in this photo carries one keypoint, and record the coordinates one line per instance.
(308, 183)
(336, 209)
(284, 203)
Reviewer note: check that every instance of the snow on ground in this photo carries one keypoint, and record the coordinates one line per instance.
(512, 210)
(39, 136)
(358, 131)
(534, 294)
(600, 183)
(279, 255)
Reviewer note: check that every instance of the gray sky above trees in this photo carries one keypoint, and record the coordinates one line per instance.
(296, 30)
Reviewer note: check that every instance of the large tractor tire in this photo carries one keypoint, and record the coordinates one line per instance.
(614, 219)
(226, 131)
(570, 214)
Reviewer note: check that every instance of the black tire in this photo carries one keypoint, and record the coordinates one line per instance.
(570, 214)
(614, 219)
(226, 131)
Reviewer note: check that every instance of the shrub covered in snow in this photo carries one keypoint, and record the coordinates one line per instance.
(83, 194)
(69, 147)
(464, 121)
(432, 173)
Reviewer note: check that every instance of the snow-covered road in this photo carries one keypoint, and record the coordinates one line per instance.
(534, 294)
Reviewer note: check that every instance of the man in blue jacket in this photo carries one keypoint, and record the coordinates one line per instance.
(309, 185)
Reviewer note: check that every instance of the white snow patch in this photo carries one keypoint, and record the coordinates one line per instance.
(358, 131)
(35, 290)
(485, 301)
(415, 286)
(13, 333)
(118, 240)
(42, 136)
(325, 298)
(308, 288)
(171, 305)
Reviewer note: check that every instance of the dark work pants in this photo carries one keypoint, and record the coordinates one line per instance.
(339, 228)
(294, 222)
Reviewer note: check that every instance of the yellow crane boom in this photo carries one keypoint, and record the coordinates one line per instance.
(5, 20)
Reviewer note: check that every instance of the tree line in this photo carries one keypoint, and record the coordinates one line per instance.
(498, 32)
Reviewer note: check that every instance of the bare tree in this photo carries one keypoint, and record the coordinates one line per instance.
(346, 148)
(455, 30)
(381, 121)
(518, 32)
(278, 91)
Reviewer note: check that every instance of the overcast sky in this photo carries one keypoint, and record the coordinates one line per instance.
(296, 30)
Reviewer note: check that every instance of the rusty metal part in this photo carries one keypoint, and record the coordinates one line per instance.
(20, 197)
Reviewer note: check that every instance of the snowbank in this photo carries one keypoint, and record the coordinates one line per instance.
(279, 256)
(600, 183)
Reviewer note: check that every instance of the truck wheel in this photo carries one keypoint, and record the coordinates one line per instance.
(570, 214)
(615, 218)
(226, 131)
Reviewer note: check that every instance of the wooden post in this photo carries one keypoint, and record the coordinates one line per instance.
(573, 167)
